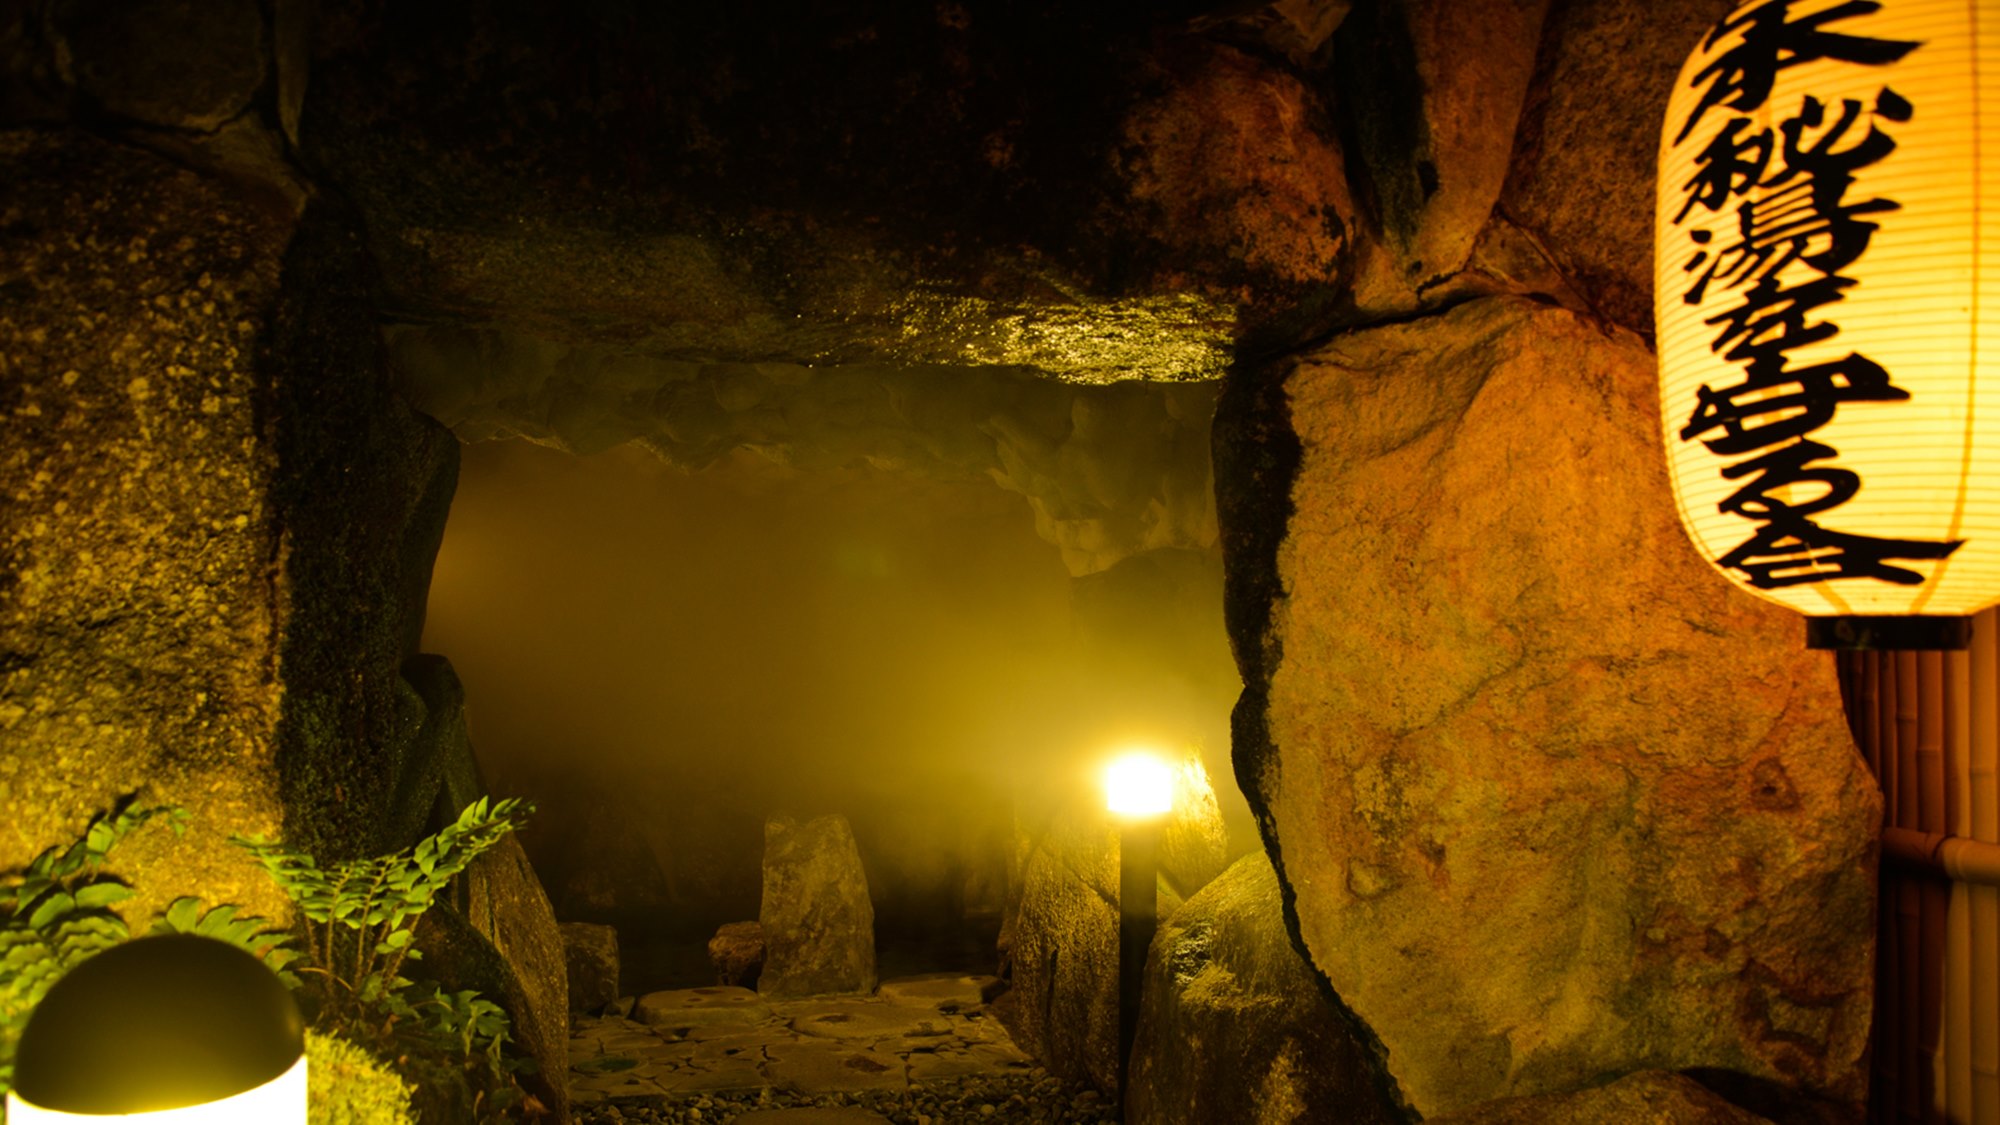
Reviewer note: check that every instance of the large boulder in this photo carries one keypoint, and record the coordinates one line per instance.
(818, 922)
(1236, 1027)
(1061, 939)
(1554, 800)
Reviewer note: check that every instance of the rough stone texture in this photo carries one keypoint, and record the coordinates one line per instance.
(590, 958)
(186, 64)
(737, 952)
(139, 618)
(1060, 943)
(818, 923)
(499, 936)
(1582, 178)
(436, 773)
(357, 565)
(1650, 1097)
(1554, 800)
(1435, 172)
(1235, 1026)
(1110, 471)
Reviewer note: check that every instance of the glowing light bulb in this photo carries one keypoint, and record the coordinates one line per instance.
(281, 1101)
(1139, 783)
(168, 1030)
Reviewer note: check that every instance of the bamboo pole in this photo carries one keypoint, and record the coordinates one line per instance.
(1983, 800)
(1933, 897)
(1907, 982)
(1954, 1084)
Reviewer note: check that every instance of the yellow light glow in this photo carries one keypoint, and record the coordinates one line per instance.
(1846, 169)
(1139, 783)
(281, 1101)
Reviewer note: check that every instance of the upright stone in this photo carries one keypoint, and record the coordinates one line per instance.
(505, 943)
(1236, 1028)
(590, 953)
(1554, 799)
(819, 925)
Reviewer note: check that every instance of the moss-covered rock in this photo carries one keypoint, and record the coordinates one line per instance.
(346, 1085)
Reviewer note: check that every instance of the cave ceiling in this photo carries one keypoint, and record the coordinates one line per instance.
(1093, 193)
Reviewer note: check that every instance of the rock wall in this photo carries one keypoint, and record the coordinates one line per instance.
(140, 620)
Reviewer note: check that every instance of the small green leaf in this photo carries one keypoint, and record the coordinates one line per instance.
(96, 896)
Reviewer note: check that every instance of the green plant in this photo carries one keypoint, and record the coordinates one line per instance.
(359, 920)
(57, 912)
(250, 933)
(348, 1086)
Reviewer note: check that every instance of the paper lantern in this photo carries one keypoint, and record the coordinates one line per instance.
(170, 1030)
(1827, 291)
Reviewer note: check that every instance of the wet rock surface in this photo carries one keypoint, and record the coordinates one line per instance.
(1110, 471)
(1505, 863)
(875, 183)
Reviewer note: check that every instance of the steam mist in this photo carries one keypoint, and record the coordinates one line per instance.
(662, 659)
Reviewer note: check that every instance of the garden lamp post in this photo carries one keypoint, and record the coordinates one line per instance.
(167, 1030)
(1139, 791)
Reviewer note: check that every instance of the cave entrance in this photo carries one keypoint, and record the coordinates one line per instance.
(668, 639)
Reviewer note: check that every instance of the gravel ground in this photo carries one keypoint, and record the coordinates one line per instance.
(1032, 1098)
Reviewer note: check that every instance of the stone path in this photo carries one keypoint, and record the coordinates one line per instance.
(680, 1045)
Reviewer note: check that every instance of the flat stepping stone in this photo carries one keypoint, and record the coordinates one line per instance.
(866, 1019)
(948, 992)
(812, 1116)
(728, 1076)
(701, 1007)
(826, 1067)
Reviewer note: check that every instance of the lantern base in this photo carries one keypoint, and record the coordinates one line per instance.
(1867, 634)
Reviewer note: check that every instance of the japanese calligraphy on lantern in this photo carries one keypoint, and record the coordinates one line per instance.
(1819, 294)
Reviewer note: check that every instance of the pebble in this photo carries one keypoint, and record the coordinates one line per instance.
(1030, 1097)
